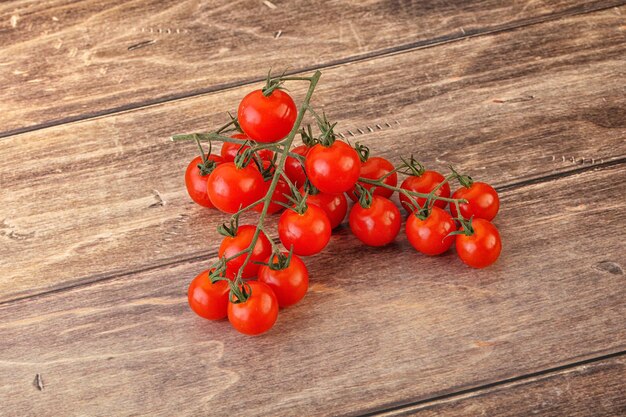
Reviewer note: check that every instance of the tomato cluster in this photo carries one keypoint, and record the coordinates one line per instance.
(258, 170)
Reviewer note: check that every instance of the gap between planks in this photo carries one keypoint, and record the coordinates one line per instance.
(99, 278)
(421, 404)
(404, 48)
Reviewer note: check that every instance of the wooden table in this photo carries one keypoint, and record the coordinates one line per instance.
(98, 239)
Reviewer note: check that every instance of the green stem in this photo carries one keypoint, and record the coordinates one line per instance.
(279, 170)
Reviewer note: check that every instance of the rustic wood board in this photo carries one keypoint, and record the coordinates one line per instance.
(370, 333)
(94, 192)
(594, 389)
(65, 60)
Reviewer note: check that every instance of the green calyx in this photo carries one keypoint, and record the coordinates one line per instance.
(272, 84)
(465, 180)
(364, 195)
(279, 261)
(412, 167)
(307, 136)
(363, 151)
(231, 229)
(239, 293)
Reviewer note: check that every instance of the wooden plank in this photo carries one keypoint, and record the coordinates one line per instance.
(65, 60)
(596, 389)
(372, 332)
(88, 199)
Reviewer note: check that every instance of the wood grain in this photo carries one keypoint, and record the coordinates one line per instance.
(596, 389)
(370, 333)
(507, 108)
(65, 60)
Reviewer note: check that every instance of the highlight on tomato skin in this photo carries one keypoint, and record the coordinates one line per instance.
(258, 313)
(269, 118)
(290, 284)
(208, 300)
(377, 225)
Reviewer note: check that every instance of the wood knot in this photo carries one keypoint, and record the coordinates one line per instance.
(610, 267)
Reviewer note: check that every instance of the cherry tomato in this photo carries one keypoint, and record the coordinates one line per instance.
(334, 205)
(206, 299)
(377, 225)
(483, 247)
(375, 168)
(267, 119)
(196, 182)
(279, 195)
(482, 201)
(308, 232)
(229, 150)
(289, 284)
(232, 245)
(424, 183)
(333, 169)
(430, 236)
(258, 313)
(231, 188)
(293, 166)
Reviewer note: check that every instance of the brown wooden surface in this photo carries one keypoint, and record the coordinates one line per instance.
(63, 61)
(96, 183)
(594, 389)
(369, 334)
(98, 240)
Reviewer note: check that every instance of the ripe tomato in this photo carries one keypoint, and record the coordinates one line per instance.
(206, 299)
(196, 182)
(267, 119)
(232, 245)
(258, 313)
(333, 169)
(282, 189)
(308, 232)
(483, 247)
(482, 201)
(334, 205)
(293, 166)
(229, 150)
(289, 284)
(377, 225)
(430, 236)
(375, 168)
(231, 188)
(424, 183)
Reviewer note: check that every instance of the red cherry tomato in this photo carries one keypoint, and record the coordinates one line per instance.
(375, 168)
(333, 169)
(377, 225)
(482, 201)
(206, 299)
(293, 166)
(424, 183)
(309, 232)
(229, 150)
(196, 182)
(258, 313)
(231, 188)
(289, 284)
(232, 245)
(483, 247)
(334, 205)
(430, 236)
(267, 119)
(279, 195)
